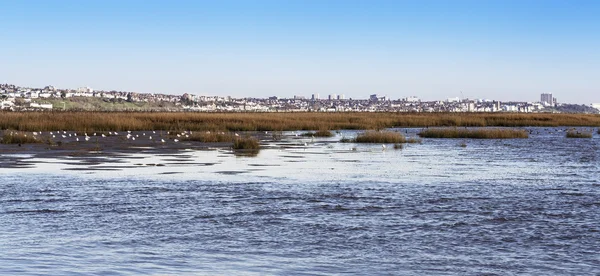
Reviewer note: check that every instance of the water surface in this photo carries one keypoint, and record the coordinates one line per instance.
(495, 207)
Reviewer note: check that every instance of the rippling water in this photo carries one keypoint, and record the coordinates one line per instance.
(496, 207)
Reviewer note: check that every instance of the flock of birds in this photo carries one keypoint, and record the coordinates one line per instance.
(129, 136)
(558, 130)
(75, 137)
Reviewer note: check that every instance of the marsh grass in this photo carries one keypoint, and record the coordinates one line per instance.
(320, 133)
(209, 137)
(144, 121)
(18, 137)
(398, 146)
(384, 137)
(414, 140)
(493, 133)
(277, 135)
(246, 146)
(346, 140)
(578, 134)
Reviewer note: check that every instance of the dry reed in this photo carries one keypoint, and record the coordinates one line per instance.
(385, 137)
(136, 121)
(209, 137)
(18, 137)
(246, 143)
(320, 133)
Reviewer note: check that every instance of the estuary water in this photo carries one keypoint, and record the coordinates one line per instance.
(492, 207)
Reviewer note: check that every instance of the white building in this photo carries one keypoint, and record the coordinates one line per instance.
(85, 89)
(7, 104)
(412, 99)
(547, 99)
(43, 106)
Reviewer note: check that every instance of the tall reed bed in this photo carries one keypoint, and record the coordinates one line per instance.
(495, 133)
(135, 121)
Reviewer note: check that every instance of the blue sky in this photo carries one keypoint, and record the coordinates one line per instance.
(505, 50)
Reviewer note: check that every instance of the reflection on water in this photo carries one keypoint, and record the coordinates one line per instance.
(526, 206)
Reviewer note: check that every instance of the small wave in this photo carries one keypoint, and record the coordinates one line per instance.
(503, 219)
(40, 211)
(334, 207)
(573, 194)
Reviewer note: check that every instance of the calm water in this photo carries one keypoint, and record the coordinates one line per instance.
(495, 207)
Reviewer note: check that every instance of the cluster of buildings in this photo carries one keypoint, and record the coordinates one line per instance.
(19, 98)
(24, 98)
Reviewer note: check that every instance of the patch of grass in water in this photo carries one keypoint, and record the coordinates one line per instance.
(346, 140)
(18, 137)
(209, 137)
(246, 146)
(385, 137)
(320, 133)
(246, 143)
(413, 140)
(483, 133)
(578, 134)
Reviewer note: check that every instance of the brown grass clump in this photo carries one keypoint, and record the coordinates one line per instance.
(246, 146)
(209, 137)
(346, 140)
(18, 137)
(578, 134)
(320, 133)
(495, 133)
(413, 140)
(385, 137)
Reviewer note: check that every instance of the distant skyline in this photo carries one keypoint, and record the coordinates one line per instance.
(503, 50)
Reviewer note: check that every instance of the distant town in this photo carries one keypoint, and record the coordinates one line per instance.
(16, 98)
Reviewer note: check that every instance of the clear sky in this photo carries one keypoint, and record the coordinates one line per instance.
(505, 50)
